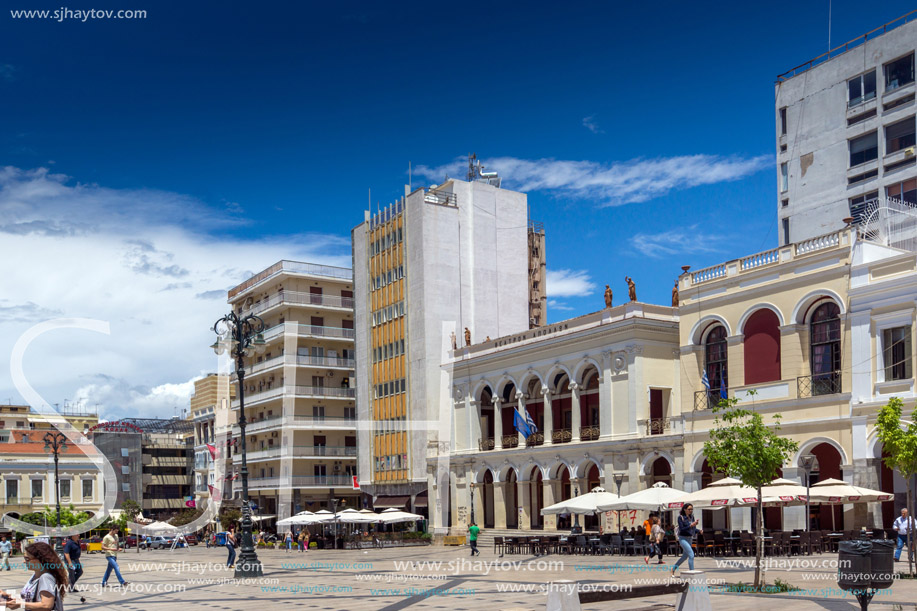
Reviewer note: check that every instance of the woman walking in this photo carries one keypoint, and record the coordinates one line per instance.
(231, 546)
(46, 587)
(288, 541)
(657, 535)
(687, 528)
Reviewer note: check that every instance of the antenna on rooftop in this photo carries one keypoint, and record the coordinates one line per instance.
(829, 25)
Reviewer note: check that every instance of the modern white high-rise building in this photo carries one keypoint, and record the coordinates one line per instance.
(441, 260)
(846, 131)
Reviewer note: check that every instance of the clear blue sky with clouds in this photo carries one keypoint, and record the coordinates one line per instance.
(150, 164)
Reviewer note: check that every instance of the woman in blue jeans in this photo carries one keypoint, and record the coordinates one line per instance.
(231, 546)
(687, 528)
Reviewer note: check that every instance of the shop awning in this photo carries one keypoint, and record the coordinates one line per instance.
(421, 500)
(386, 502)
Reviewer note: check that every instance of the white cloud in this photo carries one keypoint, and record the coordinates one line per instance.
(133, 258)
(137, 401)
(683, 240)
(612, 184)
(590, 124)
(559, 305)
(569, 283)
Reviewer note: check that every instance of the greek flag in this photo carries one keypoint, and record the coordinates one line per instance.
(530, 421)
(705, 380)
(521, 425)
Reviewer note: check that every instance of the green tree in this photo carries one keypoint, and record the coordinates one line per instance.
(899, 442)
(69, 516)
(228, 517)
(186, 516)
(131, 509)
(744, 447)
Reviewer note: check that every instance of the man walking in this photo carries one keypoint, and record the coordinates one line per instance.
(6, 549)
(110, 547)
(473, 531)
(902, 526)
(72, 553)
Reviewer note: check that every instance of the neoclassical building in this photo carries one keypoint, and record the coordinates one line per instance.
(772, 329)
(818, 332)
(601, 390)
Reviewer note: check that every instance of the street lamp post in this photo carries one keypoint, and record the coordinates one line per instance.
(55, 443)
(576, 527)
(472, 503)
(241, 336)
(619, 479)
(807, 462)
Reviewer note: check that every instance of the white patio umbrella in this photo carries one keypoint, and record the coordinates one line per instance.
(303, 518)
(160, 527)
(395, 516)
(655, 498)
(584, 504)
(837, 492)
(726, 492)
(784, 492)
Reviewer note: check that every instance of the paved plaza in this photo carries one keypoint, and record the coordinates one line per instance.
(425, 578)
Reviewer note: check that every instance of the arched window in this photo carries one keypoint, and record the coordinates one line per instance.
(762, 347)
(825, 341)
(715, 361)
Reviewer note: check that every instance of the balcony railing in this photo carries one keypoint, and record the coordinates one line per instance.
(771, 257)
(295, 482)
(657, 426)
(307, 331)
(485, 444)
(818, 384)
(294, 298)
(438, 197)
(535, 439)
(706, 399)
(561, 436)
(322, 392)
(324, 451)
(293, 267)
(589, 433)
(300, 451)
(306, 361)
(254, 426)
(510, 441)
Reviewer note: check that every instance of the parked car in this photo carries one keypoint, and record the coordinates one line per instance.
(161, 542)
(131, 541)
(191, 539)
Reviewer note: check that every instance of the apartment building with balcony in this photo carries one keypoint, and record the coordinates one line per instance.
(440, 260)
(602, 390)
(167, 462)
(24, 417)
(27, 476)
(301, 438)
(211, 418)
(845, 127)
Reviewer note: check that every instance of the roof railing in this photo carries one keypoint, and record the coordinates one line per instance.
(882, 29)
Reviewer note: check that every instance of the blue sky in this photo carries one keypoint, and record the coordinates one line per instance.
(170, 156)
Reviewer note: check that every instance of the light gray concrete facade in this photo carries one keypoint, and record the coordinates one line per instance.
(845, 132)
(463, 259)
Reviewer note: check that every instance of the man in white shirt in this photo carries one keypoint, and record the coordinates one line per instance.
(902, 525)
